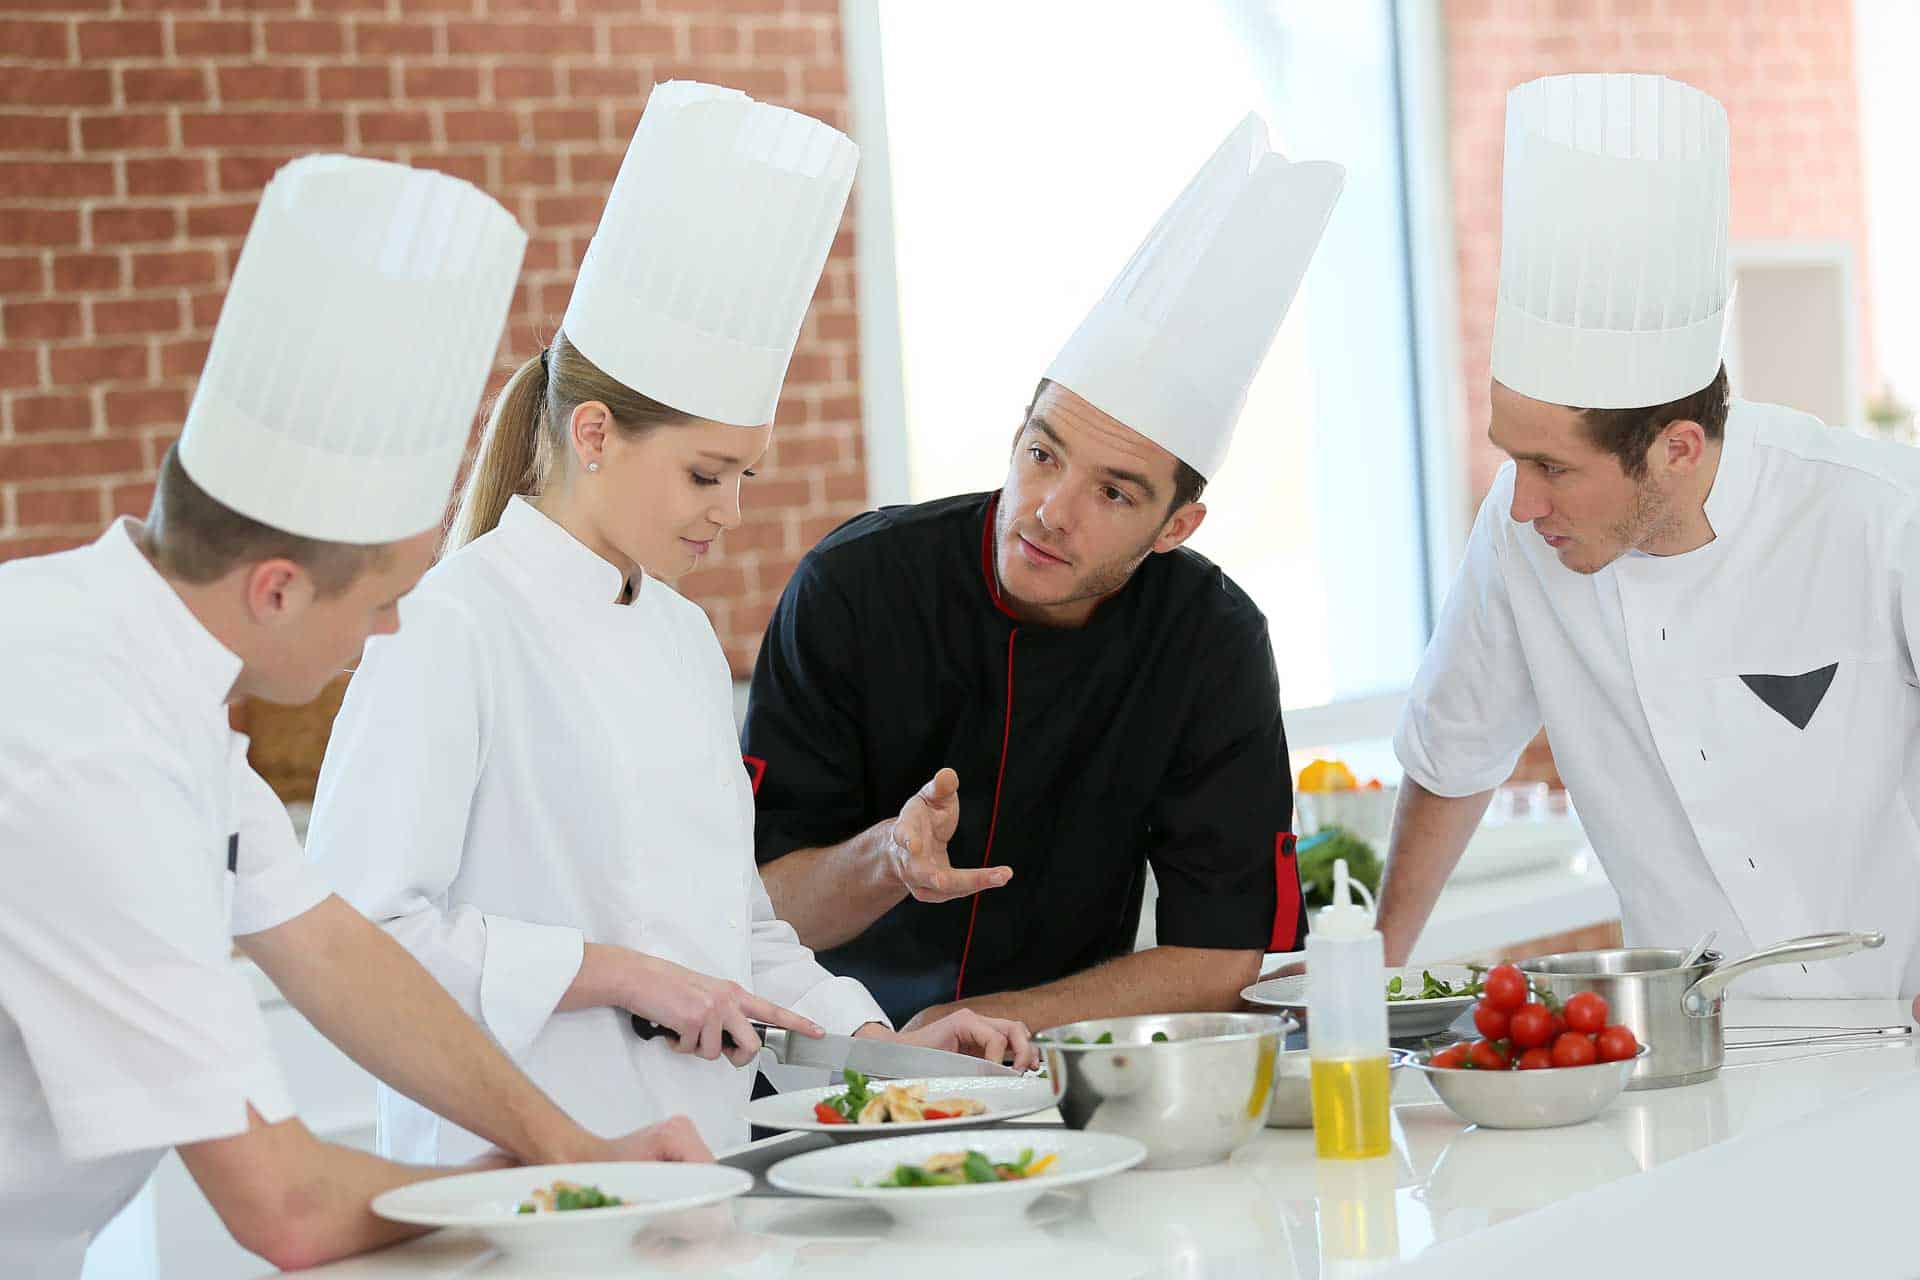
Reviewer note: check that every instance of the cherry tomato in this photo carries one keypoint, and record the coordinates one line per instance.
(1453, 1057)
(1535, 1059)
(1586, 1012)
(1559, 1026)
(1574, 1050)
(827, 1115)
(1491, 1022)
(1616, 1044)
(1488, 1056)
(1506, 988)
(1530, 1027)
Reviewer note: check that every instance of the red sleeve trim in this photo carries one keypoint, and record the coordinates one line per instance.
(758, 768)
(1286, 907)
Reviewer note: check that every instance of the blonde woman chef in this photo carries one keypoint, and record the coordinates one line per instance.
(536, 787)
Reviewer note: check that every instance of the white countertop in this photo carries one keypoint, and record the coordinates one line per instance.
(1792, 1160)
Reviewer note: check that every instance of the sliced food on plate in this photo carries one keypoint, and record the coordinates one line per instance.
(892, 1104)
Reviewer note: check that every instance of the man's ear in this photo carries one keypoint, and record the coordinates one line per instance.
(1180, 526)
(277, 592)
(1681, 447)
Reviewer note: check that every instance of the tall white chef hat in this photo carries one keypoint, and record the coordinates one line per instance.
(1172, 347)
(352, 349)
(709, 250)
(1613, 259)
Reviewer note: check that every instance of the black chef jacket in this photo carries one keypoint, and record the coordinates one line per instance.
(1150, 735)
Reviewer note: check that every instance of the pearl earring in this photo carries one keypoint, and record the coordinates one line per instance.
(593, 466)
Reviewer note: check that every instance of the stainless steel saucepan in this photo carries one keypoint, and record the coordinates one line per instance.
(1675, 1008)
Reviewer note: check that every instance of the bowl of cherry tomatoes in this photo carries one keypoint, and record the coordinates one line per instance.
(1538, 1063)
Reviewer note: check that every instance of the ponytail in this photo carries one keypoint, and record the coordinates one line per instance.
(508, 459)
(526, 432)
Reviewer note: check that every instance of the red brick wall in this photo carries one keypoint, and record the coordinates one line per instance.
(135, 136)
(1783, 68)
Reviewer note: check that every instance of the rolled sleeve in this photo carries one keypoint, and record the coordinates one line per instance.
(115, 960)
(528, 969)
(273, 882)
(1472, 709)
(1222, 856)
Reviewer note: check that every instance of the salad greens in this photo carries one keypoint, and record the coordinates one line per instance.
(565, 1196)
(1106, 1037)
(857, 1096)
(1432, 988)
(1314, 858)
(958, 1168)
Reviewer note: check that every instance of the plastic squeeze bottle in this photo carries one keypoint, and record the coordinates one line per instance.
(1347, 1026)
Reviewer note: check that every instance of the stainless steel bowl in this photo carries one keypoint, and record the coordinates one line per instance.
(1293, 1087)
(1544, 1099)
(1192, 1099)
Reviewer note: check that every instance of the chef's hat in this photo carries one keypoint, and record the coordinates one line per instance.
(1172, 347)
(709, 250)
(352, 349)
(1613, 260)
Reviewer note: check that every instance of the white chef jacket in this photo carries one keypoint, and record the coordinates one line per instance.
(527, 766)
(124, 800)
(1708, 808)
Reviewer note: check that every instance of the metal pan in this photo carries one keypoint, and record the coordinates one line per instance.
(1676, 1009)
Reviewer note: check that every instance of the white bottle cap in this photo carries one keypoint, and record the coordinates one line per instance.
(1345, 920)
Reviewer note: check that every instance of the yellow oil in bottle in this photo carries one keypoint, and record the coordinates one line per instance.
(1350, 1108)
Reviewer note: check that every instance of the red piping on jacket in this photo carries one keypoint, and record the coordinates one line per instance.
(1286, 882)
(1006, 732)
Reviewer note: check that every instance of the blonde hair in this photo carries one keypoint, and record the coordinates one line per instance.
(527, 427)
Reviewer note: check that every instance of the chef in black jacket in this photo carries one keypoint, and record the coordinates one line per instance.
(1039, 691)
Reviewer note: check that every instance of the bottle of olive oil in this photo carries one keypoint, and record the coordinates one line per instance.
(1347, 1026)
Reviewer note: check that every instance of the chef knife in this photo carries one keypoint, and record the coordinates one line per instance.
(884, 1059)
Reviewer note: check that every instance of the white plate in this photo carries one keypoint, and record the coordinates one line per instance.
(847, 1172)
(1405, 1018)
(489, 1202)
(1006, 1097)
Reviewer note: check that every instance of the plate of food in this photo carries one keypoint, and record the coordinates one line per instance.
(1421, 1000)
(949, 1181)
(859, 1108)
(572, 1207)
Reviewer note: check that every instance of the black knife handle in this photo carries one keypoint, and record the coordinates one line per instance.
(647, 1029)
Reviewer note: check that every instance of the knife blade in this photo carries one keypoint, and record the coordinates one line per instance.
(884, 1059)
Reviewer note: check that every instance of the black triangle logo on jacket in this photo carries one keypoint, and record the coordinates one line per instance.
(1795, 697)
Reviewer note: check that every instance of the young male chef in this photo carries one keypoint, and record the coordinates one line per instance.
(1711, 605)
(1039, 691)
(302, 501)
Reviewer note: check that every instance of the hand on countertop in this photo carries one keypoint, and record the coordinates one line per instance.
(674, 1140)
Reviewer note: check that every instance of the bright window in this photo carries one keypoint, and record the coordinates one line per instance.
(1026, 150)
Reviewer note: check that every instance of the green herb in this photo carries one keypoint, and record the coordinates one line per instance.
(566, 1199)
(1106, 1037)
(1432, 988)
(974, 1168)
(855, 1099)
(1314, 858)
(1160, 1037)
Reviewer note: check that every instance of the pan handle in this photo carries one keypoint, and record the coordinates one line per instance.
(1700, 998)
